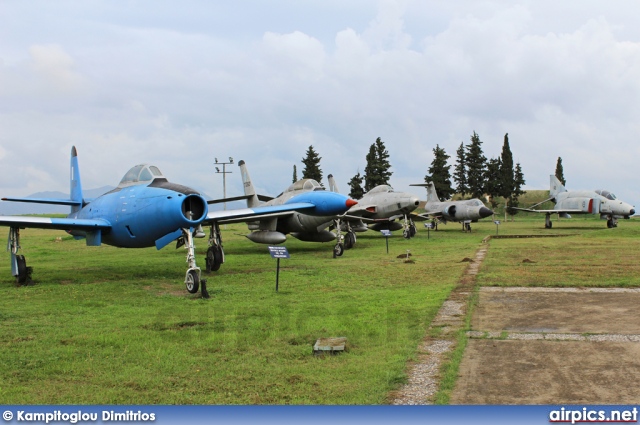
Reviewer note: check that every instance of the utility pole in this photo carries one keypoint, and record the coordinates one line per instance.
(224, 173)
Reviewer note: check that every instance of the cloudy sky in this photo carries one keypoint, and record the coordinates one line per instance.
(178, 84)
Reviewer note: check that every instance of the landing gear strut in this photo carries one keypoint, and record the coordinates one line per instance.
(192, 278)
(409, 228)
(18, 263)
(338, 249)
(547, 221)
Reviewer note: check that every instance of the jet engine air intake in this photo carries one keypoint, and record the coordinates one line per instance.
(194, 208)
(450, 212)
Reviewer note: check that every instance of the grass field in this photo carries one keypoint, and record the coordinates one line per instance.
(112, 326)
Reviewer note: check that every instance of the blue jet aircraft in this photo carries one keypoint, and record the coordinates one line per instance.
(147, 210)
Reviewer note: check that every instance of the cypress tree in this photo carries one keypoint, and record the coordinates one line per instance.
(377, 171)
(312, 165)
(518, 179)
(439, 174)
(560, 172)
(460, 171)
(295, 174)
(476, 166)
(493, 185)
(506, 170)
(355, 184)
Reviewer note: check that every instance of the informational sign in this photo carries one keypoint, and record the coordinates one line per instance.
(279, 252)
(386, 233)
(497, 222)
(428, 225)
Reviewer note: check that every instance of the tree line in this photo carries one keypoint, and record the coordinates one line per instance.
(474, 175)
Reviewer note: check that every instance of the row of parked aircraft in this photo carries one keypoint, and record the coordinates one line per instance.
(146, 210)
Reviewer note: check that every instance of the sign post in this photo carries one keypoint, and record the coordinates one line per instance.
(429, 226)
(386, 234)
(278, 252)
(497, 222)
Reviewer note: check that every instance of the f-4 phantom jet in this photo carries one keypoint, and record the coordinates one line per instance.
(465, 211)
(570, 202)
(378, 209)
(147, 210)
(273, 228)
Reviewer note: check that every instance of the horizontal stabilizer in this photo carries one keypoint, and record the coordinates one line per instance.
(45, 201)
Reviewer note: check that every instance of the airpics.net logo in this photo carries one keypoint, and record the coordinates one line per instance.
(585, 415)
(78, 417)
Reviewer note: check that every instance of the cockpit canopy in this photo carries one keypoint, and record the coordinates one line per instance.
(383, 188)
(142, 173)
(305, 184)
(606, 194)
(475, 203)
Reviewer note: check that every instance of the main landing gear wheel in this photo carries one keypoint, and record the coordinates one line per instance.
(214, 258)
(192, 282)
(23, 274)
(412, 230)
(611, 224)
(548, 226)
(406, 234)
(349, 240)
(338, 250)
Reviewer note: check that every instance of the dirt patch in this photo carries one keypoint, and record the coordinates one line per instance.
(552, 346)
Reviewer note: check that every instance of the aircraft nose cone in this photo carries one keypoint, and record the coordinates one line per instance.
(632, 212)
(350, 202)
(485, 212)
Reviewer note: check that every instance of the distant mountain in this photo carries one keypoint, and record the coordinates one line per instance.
(19, 208)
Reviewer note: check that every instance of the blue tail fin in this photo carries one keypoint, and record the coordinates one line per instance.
(76, 185)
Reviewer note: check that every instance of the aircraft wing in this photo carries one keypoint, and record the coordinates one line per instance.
(243, 215)
(44, 201)
(350, 217)
(24, 222)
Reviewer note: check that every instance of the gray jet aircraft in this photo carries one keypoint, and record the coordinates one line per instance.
(273, 228)
(380, 207)
(465, 212)
(569, 202)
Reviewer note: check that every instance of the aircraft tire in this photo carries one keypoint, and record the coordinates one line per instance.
(349, 240)
(214, 259)
(412, 230)
(193, 282)
(22, 269)
(338, 250)
(406, 234)
(610, 224)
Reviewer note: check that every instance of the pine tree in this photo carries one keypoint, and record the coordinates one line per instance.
(506, 170)
(439, 174)
(518, 179)
(493, 185)
(377, 171)
(295, 174)
(460, 171)
(355, 184)
(560, 172)
(476, 166)
(312, 166)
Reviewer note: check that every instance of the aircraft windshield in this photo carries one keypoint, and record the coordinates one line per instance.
(383, 188)
(140, 174)
(606, 194)
(305, 184)
(475, 203)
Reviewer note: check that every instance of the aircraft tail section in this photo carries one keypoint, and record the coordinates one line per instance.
(249, 190)
(555, 186)
(75, 189)
(333, 187)
(432, 195)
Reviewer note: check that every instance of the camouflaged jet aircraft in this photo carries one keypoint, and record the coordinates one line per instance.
(465, 211)
(147, 210)
(569, 202)
(273, 228)
(378, 209)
